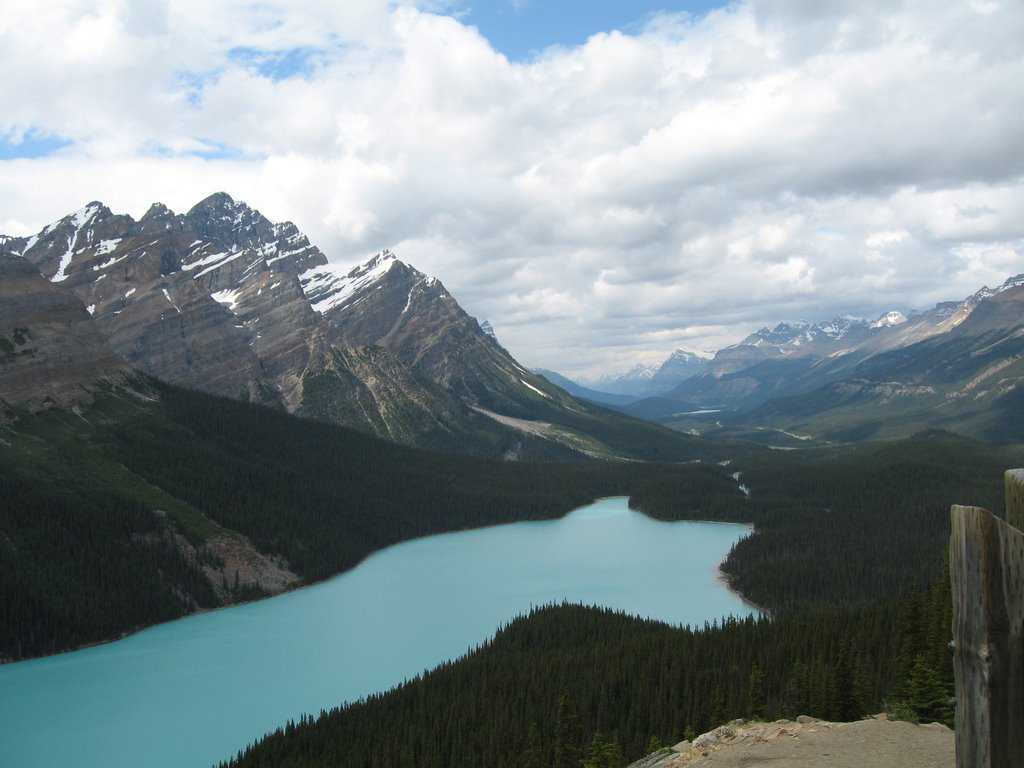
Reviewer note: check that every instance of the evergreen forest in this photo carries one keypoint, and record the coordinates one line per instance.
(106, 515)
(569, 685)
(96, 504)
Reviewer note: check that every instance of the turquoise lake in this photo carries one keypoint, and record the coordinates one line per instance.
(193, 692)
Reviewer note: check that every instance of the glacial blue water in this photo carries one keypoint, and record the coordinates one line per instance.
(193, 692)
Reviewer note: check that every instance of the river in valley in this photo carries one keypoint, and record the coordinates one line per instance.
(192, 692)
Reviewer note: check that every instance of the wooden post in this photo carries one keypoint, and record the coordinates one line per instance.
(987, 578)
(1015, 498)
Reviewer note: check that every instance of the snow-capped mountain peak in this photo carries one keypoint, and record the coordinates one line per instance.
(681, 355)
(800, 333)
(890, 318)
(328, 287)
(224, 300)
(487, 328)
(986, 292)
(646, 380)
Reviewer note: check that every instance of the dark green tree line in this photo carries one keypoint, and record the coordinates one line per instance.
(569, 685)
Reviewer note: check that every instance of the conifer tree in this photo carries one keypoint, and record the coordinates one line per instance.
(757, 707)
(927, 695)
(795, 696)
(533, 755)
(603, 754)
(567, 751)
(719, 712)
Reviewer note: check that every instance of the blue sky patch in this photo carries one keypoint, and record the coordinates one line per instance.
(31, 145)
(275, 65)
(522, 28)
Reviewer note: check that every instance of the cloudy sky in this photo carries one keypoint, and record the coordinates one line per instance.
(603, 181)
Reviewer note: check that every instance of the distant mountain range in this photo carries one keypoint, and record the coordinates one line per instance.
(223, 300)
(638, 382)
(957, 366)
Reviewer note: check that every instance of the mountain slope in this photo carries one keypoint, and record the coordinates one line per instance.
(851, 379)
(223, 300)
(50, 352)
(969, 379)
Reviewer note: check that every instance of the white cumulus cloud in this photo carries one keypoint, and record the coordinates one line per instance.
(602, 204)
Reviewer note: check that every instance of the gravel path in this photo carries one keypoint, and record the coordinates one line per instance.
(810, 743)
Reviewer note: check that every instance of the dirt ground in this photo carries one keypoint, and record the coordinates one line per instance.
(810, 743)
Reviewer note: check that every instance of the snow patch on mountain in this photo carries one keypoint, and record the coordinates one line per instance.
(612, 381)
(106, 246)
(986, 292)
(1013, 282)
(204, 261)
(890, 318)
(840, 326)
(328, 287)
(228, 297)
(77, 221)
(530, 386)
(800, 333)
(689, 355)
(9, 243)
(65, 261)
(171, 301)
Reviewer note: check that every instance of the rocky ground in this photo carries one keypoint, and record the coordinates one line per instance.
(873, 743)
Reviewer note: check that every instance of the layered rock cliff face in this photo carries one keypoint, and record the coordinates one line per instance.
(223, 300)
(164, 290)
(412, 316)
(50, 352)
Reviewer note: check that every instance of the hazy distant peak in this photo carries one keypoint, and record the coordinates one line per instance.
(687, 355)
(890, 318)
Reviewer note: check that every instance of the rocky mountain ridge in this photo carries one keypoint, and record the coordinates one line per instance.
(792, 339)
(958, 365)
(223, 300)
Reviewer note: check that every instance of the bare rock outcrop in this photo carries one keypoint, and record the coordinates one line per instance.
(50, 352)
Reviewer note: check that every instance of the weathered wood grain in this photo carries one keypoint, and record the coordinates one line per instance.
(1015, 498)
(987, 578)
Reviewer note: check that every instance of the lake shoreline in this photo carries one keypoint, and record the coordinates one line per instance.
(724, 579)
(351, 637)
(721, 577)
